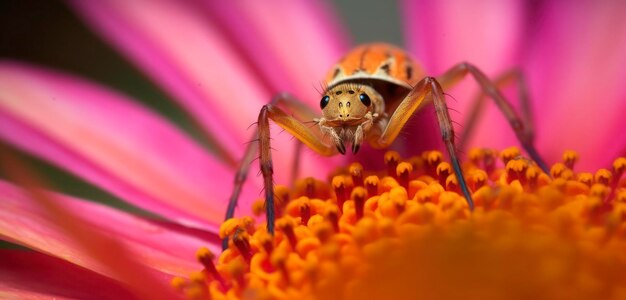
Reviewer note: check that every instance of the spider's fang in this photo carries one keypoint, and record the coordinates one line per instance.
(355, 148)
(341, 148)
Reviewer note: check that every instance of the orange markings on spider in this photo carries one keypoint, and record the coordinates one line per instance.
(370, 96)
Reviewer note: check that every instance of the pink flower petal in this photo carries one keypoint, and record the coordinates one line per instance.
(187, 57)
(163, 249)
(109, 141)
(303, 37)
(106, 253)
(566, 60)
(32, 275)
(175, 43)
(577, 76)
(276, 38)
(444, 33)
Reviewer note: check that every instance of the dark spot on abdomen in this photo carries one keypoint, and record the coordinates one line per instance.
(409, 72)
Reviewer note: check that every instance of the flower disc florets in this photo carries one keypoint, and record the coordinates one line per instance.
(407, 233)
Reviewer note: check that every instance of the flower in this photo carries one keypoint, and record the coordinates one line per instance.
(221, 63)
(556, 45)
(407, 233)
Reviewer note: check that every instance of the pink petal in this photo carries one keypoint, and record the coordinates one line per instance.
(163, 249)
(562, 53)
(113, 143)
(276, 39)
(179, 48)
(302, 36)
(444, 33)
(32, 275)
(108, 254)
(577, 76)
(186, 56)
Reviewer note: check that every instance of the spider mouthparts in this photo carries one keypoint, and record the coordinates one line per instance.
(341, 148)
(355, 148)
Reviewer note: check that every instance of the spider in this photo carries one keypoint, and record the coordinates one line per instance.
(371, 94)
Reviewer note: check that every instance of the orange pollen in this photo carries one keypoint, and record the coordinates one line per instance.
(356, 171)
(509, 154)
(392, 158)
(570, 158)
(403, 171)
(443, 171)
(205, 257)
(341, 190)
(394, 235)
(371, 183)
(358, 195)
(305, 211)
(241, 241)
(286, 225)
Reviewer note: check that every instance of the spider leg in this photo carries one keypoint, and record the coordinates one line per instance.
(510, 77)
(521, 126)
(301, 111)
(427, 89)
(296, 128)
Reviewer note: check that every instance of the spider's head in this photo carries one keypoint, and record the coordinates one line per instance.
(347, 104)
(348, 111)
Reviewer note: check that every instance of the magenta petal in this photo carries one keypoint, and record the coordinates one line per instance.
(302, 37)
(180, 49)
(32, 275)
(443, 33)
(277, 37)
(104, 253)
(186, 56)
(164, 250)
(109, 141)
(577, 76)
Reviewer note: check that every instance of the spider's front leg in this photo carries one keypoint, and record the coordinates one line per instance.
(296, 128)
(299, 110)
(426, 89)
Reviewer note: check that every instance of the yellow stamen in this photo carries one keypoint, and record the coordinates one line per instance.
(391, 160)
(443, 171)
(570, 158)
(403, 173)
(509, 154)
(178, 283)
(356, 171)
(409, 233)
(603, 176)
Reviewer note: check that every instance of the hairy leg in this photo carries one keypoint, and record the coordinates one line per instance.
(427, 89)
(477, 106)
(519, 125)
(299, 130)
(291, 104)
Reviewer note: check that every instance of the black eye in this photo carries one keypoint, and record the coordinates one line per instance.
(365, 99)
(324, 101)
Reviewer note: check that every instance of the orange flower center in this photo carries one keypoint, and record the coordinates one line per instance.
(407, 233)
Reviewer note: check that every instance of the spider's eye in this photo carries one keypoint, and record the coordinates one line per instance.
(324, 101)
(365, 99)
